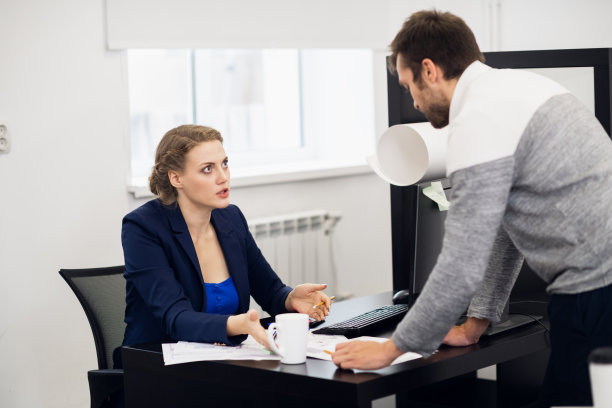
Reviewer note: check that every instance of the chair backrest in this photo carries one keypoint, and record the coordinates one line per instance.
(101, 292)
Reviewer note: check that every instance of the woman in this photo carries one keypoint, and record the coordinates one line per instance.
(190, 262)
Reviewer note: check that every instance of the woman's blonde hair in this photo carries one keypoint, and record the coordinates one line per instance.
(170, 156)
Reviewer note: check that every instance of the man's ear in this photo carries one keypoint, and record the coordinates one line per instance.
(430, 72)
(175, 179)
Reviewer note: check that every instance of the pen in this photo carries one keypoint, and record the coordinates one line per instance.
(328, 352)
(322, 303)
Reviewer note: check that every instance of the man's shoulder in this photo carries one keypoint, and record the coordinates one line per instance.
(491, 114)
(516, 86)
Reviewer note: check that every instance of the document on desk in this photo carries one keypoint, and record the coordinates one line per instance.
(409, 355)
(186, 352)
(317, 347)
(250, 349)
(318, 343)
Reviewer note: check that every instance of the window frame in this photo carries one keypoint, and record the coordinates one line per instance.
(306, 168)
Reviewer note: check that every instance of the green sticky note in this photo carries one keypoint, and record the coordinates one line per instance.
(435, 192)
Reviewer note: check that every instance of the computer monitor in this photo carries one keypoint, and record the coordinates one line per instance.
(429, 234)
(417, 225)
(428, 244)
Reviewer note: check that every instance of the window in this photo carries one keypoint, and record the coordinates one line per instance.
(272, 106)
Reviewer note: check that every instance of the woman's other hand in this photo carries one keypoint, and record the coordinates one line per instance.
(248, 323)
(304, 297)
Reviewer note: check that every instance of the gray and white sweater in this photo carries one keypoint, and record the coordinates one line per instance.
(531, 170)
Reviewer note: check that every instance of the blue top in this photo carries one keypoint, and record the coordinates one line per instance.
(221, 297)
(165, 291)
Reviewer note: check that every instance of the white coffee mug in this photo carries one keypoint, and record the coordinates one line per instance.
(600, 370)
(291, 331)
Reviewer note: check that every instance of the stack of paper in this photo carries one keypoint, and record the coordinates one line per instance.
(319, 346)
(185, 352)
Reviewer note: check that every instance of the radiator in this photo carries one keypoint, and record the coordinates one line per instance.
(299, 247)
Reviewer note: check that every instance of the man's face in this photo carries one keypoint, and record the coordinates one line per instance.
(427, 98)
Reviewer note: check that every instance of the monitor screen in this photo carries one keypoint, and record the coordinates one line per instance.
(429, 234)
(577, 80)
(428, 244)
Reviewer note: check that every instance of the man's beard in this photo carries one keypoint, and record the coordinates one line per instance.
(437, 115)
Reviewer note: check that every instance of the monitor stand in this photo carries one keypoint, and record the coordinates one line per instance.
(510, 321)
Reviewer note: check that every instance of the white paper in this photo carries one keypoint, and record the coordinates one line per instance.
(319, 344)
(401, 359)
(185, 352)
(375, 165)
(250, 349)
(410, 153)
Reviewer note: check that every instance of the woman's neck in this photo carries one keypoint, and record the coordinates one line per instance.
(197, 219)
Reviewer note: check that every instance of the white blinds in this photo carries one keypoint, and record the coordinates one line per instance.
(248, 23)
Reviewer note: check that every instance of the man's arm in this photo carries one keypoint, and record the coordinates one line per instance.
(478, 203)
(467, 333)
(478, 199)
(488, 304)
(504, 266)
(365, 355)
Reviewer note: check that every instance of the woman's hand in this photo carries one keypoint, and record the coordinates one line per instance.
(303, 297)
(248, 323)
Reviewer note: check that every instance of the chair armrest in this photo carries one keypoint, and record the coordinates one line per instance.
(102, 384)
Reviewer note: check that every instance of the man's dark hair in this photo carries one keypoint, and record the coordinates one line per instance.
(440, 36)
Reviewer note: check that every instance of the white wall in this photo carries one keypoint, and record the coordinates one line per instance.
(64, 194)
(548, 24)
(63, 184)
(508, 25)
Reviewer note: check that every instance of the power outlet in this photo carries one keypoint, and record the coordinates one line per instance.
(5, 139)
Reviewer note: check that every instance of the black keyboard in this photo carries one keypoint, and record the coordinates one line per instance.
(366, 323)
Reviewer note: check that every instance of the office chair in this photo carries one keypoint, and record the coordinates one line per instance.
(101, 292)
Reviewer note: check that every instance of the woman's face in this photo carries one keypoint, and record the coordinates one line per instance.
(204, 182)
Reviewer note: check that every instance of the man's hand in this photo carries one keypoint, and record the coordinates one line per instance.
(365, 355)
(466, 334)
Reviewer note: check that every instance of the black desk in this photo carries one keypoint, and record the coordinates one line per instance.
(148, 383)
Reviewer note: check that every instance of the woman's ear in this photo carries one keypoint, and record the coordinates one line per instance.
(175, 179)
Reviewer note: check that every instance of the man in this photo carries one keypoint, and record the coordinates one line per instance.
(531, 170)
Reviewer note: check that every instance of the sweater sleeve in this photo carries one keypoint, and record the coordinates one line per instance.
(504, 266)
(478, 203)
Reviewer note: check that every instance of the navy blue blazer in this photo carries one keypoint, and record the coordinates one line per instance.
(166, 299)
